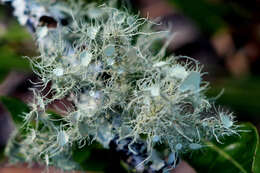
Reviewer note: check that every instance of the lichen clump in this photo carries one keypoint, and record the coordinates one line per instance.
(103, 62)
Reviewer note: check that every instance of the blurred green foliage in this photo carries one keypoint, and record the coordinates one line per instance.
(13, 40)
(242, 95)
(211, 16)
(237, 154)
(207, 15)
(16, 109)
(11, 60)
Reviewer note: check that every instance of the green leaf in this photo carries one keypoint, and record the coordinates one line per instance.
(16, 108)
(237, 154)
(256, 161)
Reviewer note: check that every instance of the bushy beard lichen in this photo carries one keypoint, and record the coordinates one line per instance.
(123, 91)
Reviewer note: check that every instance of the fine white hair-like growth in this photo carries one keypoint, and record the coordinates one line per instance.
(103, 61)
